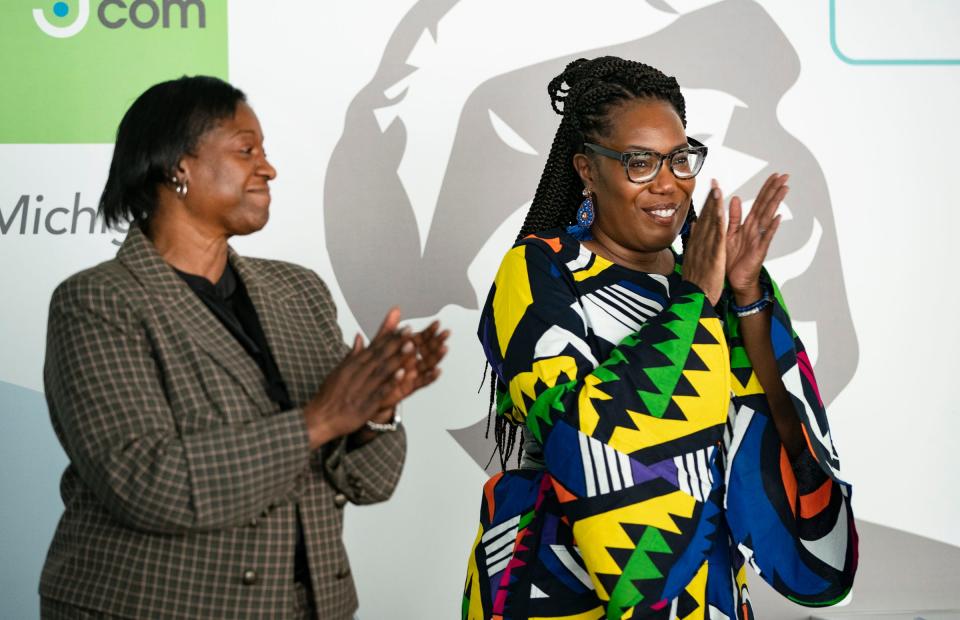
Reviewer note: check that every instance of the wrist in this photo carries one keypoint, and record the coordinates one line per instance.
(750, 302)
(744, 296)
(384, 416)
(319, 430)
(390, 424)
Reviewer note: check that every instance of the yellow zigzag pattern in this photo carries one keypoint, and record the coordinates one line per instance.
(703, 411)
(604, 531)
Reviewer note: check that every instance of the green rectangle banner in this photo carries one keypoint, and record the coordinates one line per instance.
(71, 68)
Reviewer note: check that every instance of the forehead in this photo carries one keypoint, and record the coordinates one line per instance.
(243, 123)
(645, 123)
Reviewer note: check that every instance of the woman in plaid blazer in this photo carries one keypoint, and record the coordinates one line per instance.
(215, 422)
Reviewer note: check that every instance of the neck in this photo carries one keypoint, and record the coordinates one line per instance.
(653, 261)
(187, 245)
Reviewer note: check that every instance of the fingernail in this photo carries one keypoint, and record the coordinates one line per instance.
(399, 374)
(715, 193)
(407, 347)
(713, 183)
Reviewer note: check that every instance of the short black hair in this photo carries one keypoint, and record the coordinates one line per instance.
(163, 124)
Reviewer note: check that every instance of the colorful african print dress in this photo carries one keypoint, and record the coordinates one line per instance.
(657, 474)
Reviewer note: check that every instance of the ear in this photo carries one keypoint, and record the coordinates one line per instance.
(182, 169)
(583, 164)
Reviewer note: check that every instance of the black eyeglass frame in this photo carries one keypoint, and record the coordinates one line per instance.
(693, 146)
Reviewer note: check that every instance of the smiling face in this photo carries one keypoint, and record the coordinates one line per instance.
(640, 217)
(228, 176)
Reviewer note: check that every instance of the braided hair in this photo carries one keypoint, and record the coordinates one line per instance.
(583, 95)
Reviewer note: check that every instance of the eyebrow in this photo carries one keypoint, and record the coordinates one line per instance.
(243, 131)
(637, 147)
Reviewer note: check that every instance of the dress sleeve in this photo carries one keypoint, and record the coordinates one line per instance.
(627, 440)
(791, 520)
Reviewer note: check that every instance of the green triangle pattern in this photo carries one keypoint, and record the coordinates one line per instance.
(605, 375)
(666, 377)
(738, 357)
(639, 567)
(542, 409)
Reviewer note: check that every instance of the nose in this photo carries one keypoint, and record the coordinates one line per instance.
(664, 182)
(266, 169)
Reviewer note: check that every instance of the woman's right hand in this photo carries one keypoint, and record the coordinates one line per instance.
(355, 390)
(705, 255)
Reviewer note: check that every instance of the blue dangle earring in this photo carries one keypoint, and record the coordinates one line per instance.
(581, 230)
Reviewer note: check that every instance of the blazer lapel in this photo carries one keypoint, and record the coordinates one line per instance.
(271, 301)
(141, 258)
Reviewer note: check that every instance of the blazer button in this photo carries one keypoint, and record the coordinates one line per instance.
(339, 500)
(249, 577)
(343, 573)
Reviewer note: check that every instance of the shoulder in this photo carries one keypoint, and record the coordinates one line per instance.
(555, 243)
(544, 248)
(106, 290)
(539, 264)
(284, 275)
(291, 280)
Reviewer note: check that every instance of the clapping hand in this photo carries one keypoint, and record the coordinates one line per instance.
(748, 241)
(705, 255)
(357, 389)
(421, 366)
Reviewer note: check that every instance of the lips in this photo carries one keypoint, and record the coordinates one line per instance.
(662, 213)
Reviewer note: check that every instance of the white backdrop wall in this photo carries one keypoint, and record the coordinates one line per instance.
(395, 126)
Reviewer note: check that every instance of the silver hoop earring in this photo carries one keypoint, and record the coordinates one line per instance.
(180, 187)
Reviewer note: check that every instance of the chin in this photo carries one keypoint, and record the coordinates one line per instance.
(251, 225)
(646, 242)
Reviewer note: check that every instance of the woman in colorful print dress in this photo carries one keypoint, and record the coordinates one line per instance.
(670, 423)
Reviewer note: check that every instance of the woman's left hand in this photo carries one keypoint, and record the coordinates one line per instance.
(421, 369)
(749, 240)
(430, 350)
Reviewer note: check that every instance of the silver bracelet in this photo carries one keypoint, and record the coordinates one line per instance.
(758, 306)
(389, 427)
(754, 310)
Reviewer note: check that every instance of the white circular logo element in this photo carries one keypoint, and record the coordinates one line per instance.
(63, 32)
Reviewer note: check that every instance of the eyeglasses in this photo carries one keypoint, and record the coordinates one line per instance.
(643, 166)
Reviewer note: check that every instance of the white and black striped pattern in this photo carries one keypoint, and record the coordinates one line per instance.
(576, 569)
(498, 544)
(582, 261)
(604, 469)
(728, 427)
(693, 473)
(614, 311)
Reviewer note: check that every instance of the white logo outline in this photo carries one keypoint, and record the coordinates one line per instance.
(63, 32)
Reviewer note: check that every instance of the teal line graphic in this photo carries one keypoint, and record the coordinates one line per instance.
(878, 61)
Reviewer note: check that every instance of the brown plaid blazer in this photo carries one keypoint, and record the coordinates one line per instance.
(184, 478)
